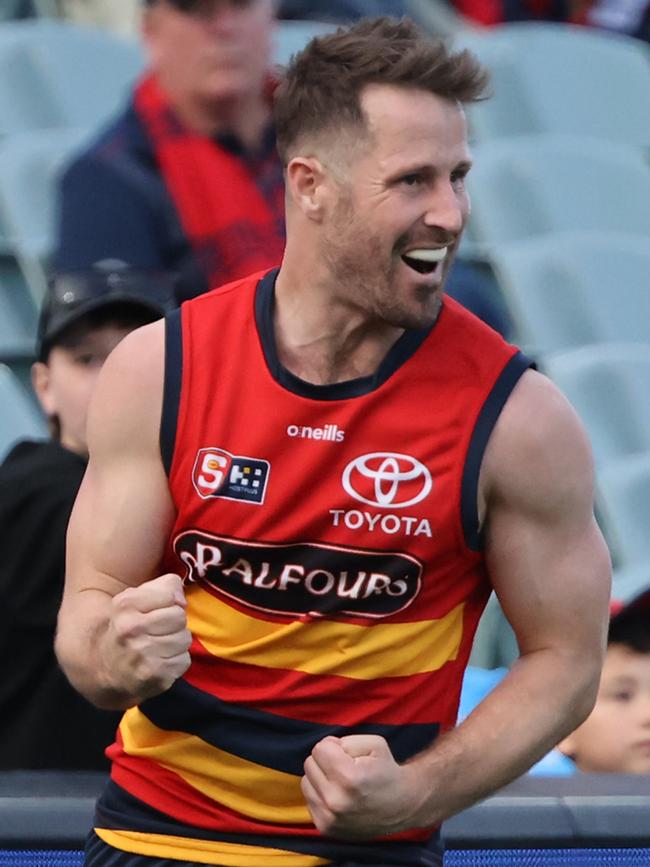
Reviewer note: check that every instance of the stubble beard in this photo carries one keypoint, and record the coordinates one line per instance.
(363, 275)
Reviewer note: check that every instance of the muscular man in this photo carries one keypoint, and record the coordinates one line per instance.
(281, 589)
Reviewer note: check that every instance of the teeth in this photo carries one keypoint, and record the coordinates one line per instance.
(428, 255)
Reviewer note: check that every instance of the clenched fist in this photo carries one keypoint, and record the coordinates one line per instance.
(354, 788)
(146, 644)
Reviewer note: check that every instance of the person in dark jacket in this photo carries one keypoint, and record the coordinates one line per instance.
(44, 722)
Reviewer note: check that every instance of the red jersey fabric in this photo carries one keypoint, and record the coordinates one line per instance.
(329, 541)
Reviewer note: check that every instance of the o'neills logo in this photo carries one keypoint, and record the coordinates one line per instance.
(329, 433)
(301, 579)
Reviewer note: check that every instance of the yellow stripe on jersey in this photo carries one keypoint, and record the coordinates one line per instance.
(205, 851)
(240, 785)
(325, 647)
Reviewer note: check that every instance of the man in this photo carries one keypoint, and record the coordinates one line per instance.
(44, 723)
(187, 179)
(285, 600)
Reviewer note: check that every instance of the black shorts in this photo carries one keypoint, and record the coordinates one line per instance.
(100, 854)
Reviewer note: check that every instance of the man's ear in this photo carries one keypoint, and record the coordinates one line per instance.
(41, 382)
(306, 181)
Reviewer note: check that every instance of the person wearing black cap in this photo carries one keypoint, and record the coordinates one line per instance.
(44, 723)
(615, 737)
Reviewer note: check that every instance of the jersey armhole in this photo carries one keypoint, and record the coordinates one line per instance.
(172, 387)
(490, 411)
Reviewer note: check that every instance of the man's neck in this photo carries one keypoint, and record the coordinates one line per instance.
(321, 339)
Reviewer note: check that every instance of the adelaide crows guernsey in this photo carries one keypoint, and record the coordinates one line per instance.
(328, 537)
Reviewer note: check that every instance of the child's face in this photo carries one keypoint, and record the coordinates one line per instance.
(65, 384)
(615, 738)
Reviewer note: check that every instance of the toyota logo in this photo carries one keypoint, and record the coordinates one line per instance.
(387, 479)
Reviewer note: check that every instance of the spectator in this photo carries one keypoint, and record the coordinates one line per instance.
(187, 179)
(44, 723)
(616, 736)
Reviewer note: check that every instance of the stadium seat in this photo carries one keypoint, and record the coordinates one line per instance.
(569, 289)
(55, 74)
(624, 504)
(19, 417)
(531, 185)
(292, 36)
(18, 319)
(555, 78)
(609, 386)
(30, 164)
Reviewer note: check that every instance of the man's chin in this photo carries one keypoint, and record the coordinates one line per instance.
(416, 318)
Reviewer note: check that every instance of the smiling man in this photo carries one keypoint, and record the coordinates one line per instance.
(291, 565)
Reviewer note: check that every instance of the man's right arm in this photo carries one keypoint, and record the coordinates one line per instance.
(122, 634)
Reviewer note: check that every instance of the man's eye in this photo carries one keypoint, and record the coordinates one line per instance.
(412, 180)
(458, 178)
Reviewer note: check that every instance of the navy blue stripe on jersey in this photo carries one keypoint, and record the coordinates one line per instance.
(267, 739)
(397, 355)
(494, 403)
(118, 810)
(172, 386)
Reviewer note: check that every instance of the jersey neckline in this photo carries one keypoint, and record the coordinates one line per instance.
(398, 354)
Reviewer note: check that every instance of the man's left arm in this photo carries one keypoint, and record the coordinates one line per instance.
(550, 568)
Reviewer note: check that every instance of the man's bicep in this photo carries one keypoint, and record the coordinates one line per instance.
(118, 528)
(547, 560)
(124, 511)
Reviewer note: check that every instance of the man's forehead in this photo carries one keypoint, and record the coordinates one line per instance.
(407, 124)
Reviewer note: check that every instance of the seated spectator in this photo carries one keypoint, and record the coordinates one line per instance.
(615, 738)
(187, 179)
(44, 722)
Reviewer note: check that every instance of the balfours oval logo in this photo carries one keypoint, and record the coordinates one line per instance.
(387, 479)
(301, 579)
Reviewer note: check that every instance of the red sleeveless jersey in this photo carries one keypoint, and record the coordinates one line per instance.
(328, 536)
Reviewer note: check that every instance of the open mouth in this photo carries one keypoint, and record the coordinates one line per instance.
(424, 261)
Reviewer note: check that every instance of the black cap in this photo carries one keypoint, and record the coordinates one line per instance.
(640, 604)
(71, 295)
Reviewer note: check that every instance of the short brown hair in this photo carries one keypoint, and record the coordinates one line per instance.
(321, 86)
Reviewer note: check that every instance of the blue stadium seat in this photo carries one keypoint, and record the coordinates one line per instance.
(531, 185)
(19, 418)
(609, 386)
(555, 78)
(30, 164)
(569, 289)
(292, 36)
(55, 74)
(624, 502)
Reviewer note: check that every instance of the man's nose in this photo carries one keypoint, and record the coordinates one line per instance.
(447, 209)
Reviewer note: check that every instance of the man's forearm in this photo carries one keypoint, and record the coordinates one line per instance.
(82, 653)
(544, 697)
